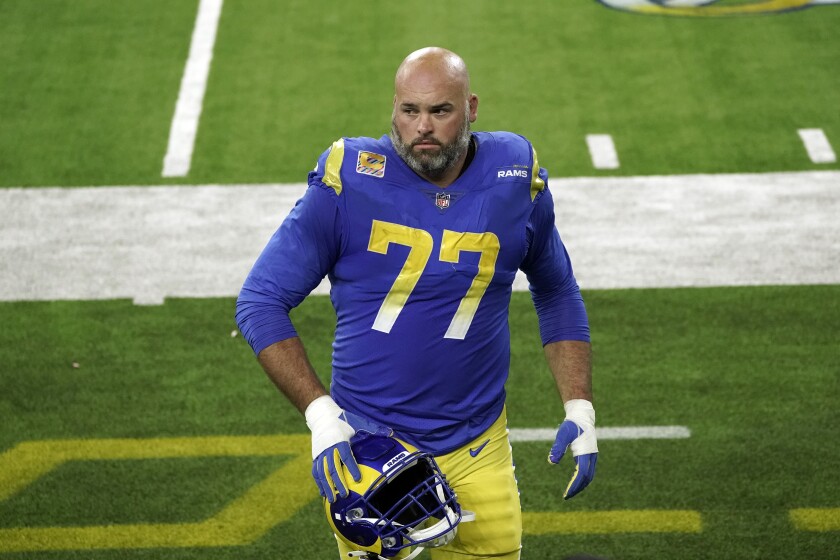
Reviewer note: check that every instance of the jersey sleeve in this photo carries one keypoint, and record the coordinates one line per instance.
(554, 290)
(297, 257)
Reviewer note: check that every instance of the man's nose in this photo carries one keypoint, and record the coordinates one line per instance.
(424, 124)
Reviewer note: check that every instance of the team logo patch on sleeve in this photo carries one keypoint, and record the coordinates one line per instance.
(513, 172)
(371, 164)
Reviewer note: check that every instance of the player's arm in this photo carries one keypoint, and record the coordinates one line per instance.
(564, 329)
(570, 363)
(295, 260)
(286, 364)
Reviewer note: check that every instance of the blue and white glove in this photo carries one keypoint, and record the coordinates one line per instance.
(332, 429)
(578, 432)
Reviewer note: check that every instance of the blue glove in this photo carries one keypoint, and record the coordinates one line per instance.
(328, 472)
(578, 432)
(330, 448)
(332, 429)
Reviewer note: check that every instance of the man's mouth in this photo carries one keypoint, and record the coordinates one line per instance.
(425, 144)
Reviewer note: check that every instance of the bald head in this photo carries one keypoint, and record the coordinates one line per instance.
(433, 67)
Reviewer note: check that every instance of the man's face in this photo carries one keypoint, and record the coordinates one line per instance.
(430, 128)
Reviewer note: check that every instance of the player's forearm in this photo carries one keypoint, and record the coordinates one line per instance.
(571, 364)
(289, 369)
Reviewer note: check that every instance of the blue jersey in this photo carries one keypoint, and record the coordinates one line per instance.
(421, 282)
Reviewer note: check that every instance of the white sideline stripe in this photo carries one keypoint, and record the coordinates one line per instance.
(176, 162)
(602, 151)
(150, 243)
(617, 432)
(817, 145)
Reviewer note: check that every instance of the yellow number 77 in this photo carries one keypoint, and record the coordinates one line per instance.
(420, 243)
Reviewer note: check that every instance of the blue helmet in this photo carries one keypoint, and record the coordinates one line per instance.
(402, 500)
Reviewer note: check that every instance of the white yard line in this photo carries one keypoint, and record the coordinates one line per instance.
(602, 151)
(617, 432)
(148, 243)
(176, 162)
(817, 145)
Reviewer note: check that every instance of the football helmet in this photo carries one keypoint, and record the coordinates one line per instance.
(401, 501)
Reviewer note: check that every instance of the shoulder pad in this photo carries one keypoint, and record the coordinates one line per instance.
(537, 182)
(332, 166)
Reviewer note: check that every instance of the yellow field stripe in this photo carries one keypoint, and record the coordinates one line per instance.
(273, 500)
(109, 537)
(270, 502)
(619, 521)
(22, 465)
(28, 461)
(816, 519)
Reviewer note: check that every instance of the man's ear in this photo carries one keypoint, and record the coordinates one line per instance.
(473, 107)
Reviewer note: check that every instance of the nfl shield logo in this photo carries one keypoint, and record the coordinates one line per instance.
(442, 200)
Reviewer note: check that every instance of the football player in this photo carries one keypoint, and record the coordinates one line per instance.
(421, 233)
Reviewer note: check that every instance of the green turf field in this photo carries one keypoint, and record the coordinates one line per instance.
(89, 86)
(751, 371)
(150, 432)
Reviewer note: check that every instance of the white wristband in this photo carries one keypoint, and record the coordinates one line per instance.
(582, 413)
(580, 410)
(321, 408)
(323, 419)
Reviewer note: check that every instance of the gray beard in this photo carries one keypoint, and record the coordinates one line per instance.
(432, 166)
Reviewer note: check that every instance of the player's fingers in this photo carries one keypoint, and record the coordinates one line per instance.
(335, 473)
(318, 474)
(584, 473)
(346, 455)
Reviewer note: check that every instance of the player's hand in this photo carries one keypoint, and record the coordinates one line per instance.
(578, 432)
(331, 435)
